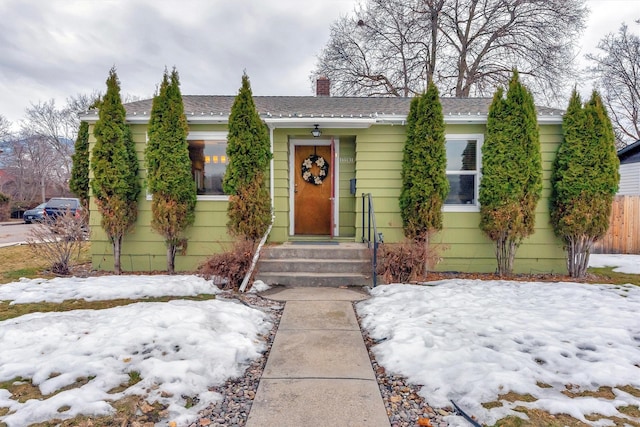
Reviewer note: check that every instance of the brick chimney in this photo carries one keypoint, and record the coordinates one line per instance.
(323, 86)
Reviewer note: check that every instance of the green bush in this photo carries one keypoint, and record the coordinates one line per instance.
(169, 168)
(511, 172)
(584, 180)
(115, 184)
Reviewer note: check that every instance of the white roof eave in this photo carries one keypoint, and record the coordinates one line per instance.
(353, 122)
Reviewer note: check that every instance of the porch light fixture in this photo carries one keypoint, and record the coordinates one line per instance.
(316, 132)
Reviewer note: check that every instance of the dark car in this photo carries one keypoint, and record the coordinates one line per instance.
(59, 205)
(34, 215)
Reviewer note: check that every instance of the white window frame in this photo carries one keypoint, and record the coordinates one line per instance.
(479, 138)
(206, 136)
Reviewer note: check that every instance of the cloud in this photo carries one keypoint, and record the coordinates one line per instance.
(59, 48)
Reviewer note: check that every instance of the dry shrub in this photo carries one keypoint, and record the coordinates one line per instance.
(405, 262)
(59, 240)
(227, 269)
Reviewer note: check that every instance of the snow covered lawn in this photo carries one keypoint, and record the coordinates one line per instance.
(471, 341)
(623, 263)
(179, 348)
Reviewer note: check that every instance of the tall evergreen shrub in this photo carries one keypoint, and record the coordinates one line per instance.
(511, 172)
(584, 181)
(424, 181)
(249, 153)
(79, 182)
(169, 176)
(115, 183)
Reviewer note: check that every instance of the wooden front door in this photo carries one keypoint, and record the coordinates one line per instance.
(312, 201)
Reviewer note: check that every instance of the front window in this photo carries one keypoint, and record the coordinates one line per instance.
(208, 164)
(209, 160)
(463, 171)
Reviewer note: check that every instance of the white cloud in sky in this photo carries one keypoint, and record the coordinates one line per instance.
(60, 48)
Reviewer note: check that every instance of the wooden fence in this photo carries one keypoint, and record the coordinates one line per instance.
(623, 236)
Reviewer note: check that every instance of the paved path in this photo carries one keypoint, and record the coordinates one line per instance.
(318, 372)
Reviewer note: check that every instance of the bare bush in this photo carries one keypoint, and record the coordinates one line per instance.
(227, 269)
(404, 262)
(59, 240)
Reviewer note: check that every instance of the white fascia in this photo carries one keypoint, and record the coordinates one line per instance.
(323, 122)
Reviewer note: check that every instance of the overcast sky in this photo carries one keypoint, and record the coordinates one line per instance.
(59, 48)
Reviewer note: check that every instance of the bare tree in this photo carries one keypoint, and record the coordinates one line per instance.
(36, 167)
(5, 129)
(468, 47)
(45, 120)
(59, 241)
(617, 73)
(56, 127)
(77, 104)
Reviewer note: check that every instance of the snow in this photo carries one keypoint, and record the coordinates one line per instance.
(471, 341)
(258, 286)
(180, 348)
(629, 264)
(465, 340)
(104, 288)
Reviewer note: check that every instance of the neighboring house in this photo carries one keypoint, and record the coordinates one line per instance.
(623, 235)
(629, 169)
(362, 141)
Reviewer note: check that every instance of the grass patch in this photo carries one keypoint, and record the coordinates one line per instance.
(10, 311)
(607, 275)
(632, 411)
(134, 378)
(130, 411)
(509, 397)
(631, 390)
(17, 260)
(21, 389)
(20, 261)
(602, 392)
(538, 418)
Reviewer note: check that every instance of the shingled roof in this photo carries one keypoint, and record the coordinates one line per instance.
(310, 107)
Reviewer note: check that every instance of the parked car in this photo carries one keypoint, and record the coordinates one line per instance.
(34, 215)
(59, 205)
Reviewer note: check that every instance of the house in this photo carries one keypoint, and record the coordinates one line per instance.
(361, 143)
(629, 169)
(623, 234)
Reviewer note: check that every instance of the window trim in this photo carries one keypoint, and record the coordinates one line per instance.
(206, 136)
(479, 138)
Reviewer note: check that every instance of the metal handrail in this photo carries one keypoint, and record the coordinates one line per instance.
(369, 226)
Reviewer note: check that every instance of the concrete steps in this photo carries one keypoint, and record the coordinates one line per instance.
(315, 264)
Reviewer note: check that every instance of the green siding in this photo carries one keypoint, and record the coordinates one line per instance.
(462, 244)
(347, 201)
(142, 248)
(373, 156)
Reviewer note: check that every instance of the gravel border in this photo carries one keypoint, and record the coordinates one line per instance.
(238, 393)
(403, 403)
(405, 407)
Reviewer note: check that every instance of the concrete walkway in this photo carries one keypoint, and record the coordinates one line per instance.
(318, 372)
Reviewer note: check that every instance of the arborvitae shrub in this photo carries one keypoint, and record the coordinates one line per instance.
(115, 184)
(584, 180)
(511, 172)
(249, 210)
(169, 175)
